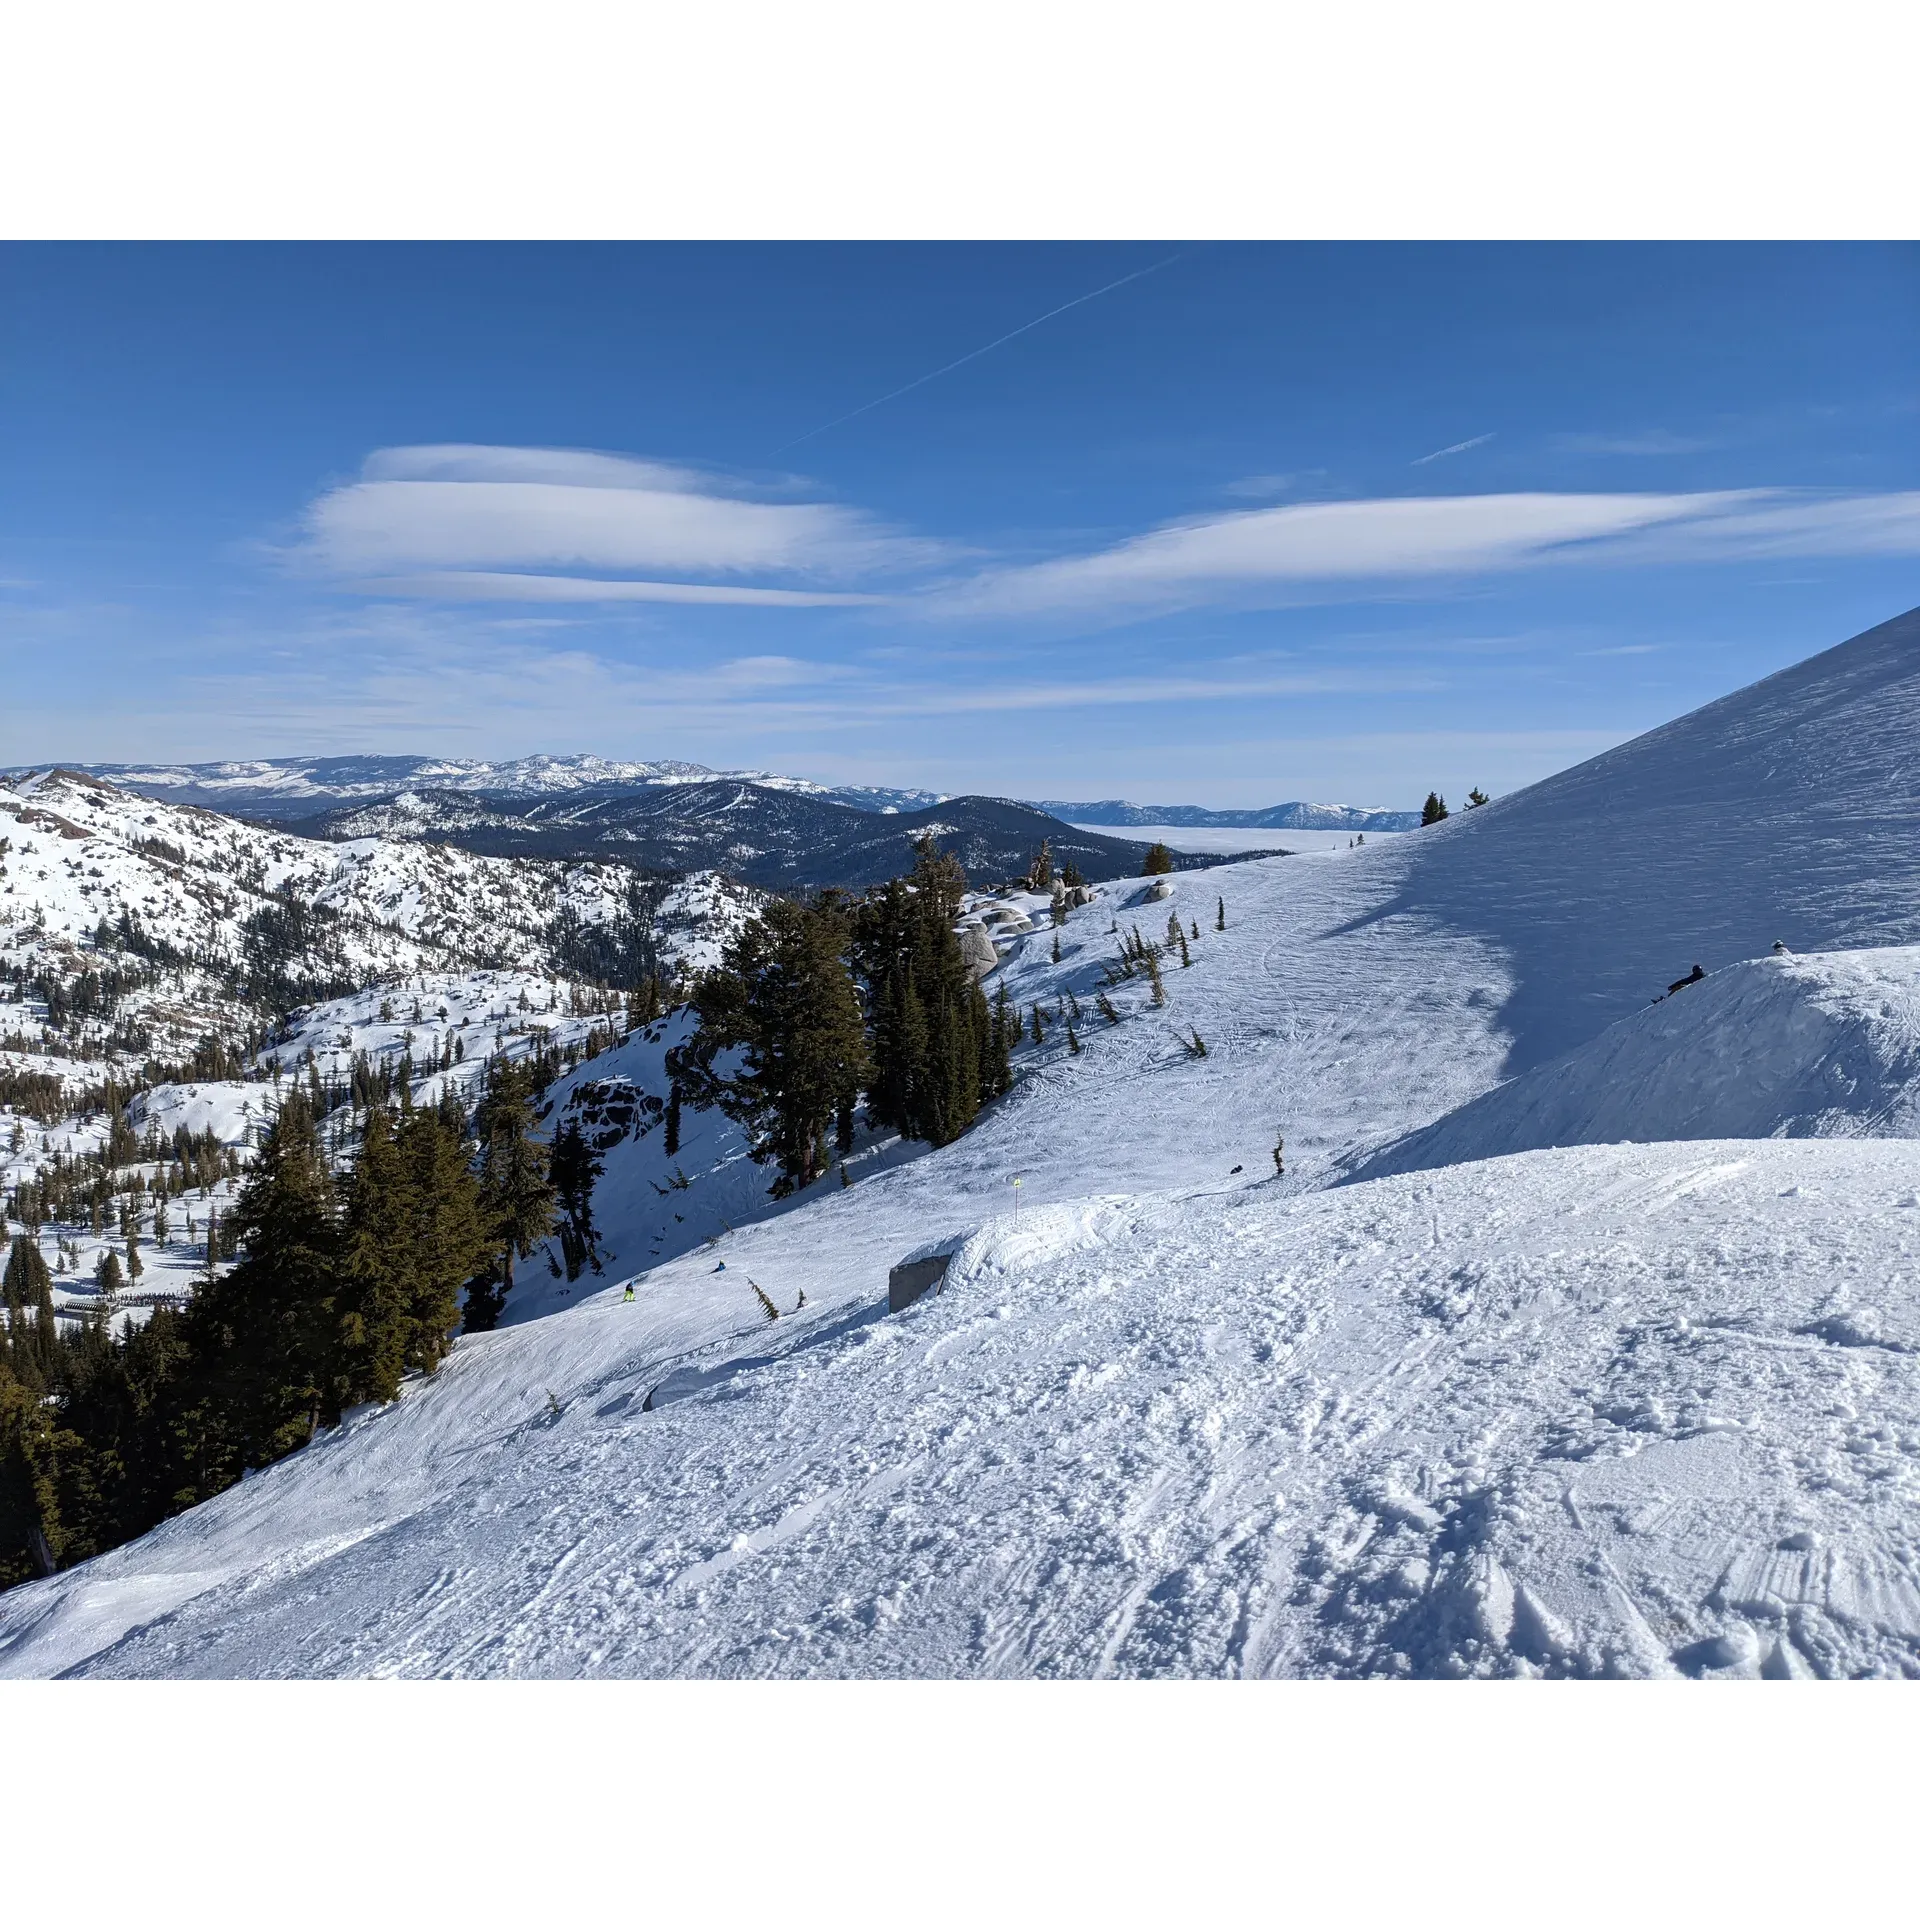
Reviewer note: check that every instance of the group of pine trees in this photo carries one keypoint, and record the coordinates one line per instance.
(817, 1003)
(346, 1281)
(1435, 809)
(937, 1051)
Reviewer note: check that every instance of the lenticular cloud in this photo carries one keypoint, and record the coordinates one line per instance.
(516, 522)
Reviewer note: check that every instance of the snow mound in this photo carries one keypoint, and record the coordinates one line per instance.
(1802, 1046)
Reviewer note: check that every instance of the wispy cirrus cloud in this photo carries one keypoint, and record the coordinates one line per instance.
(534, 523)
(1264, 486)
(1268, 555)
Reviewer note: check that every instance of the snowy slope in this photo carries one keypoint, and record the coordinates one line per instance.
(1637, 1411)
(649, 1207)
(1805, 1045)
(1787, 811)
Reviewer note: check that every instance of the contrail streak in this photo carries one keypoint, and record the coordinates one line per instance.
(1052, 313)
(1459, 446)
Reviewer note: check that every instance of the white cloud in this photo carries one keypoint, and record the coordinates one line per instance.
(1269, 554)
(569, 588)
(562, 526)
(580, 517)
(1855, 527)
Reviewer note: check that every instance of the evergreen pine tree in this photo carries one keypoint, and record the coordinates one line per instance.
(516, 1194)
(374, 1281)
(936, 1051)
(672, 1142)
(785, 998)
(1159, 860)
(573, 1168)
(265, 1335)
(1220, 915)
(31, 1535)
(31, 1328)
(452, 1238)
(1434, 811)
(1478, 799)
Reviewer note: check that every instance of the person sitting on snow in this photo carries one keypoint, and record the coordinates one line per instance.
(1699, 973)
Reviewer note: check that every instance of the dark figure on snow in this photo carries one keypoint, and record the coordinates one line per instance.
(1279, 1157)
(1699, 973)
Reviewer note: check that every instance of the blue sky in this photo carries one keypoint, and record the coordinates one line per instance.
(1262, 522)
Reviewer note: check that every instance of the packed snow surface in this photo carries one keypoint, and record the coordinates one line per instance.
(1614, 1409)
(1229, 839)
(1633, 1411)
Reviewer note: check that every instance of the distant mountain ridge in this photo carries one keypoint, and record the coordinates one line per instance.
(305, 785)
(293, 789)
(1293, 816)
(764, 836)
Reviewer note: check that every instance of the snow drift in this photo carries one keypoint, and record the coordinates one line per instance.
(1800, 1046)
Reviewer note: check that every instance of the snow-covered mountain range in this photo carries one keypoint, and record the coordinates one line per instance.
(294, 789)
(97, 882)
(1407, 1294)
(290, 789)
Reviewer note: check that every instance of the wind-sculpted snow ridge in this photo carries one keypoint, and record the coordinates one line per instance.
(1798, 1046)
(1787, 811)
(1636, 1411)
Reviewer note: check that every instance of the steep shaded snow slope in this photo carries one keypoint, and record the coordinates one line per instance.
(1638, 1411)
(1789, 810)
(1805, 1045)
(643, 1218)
